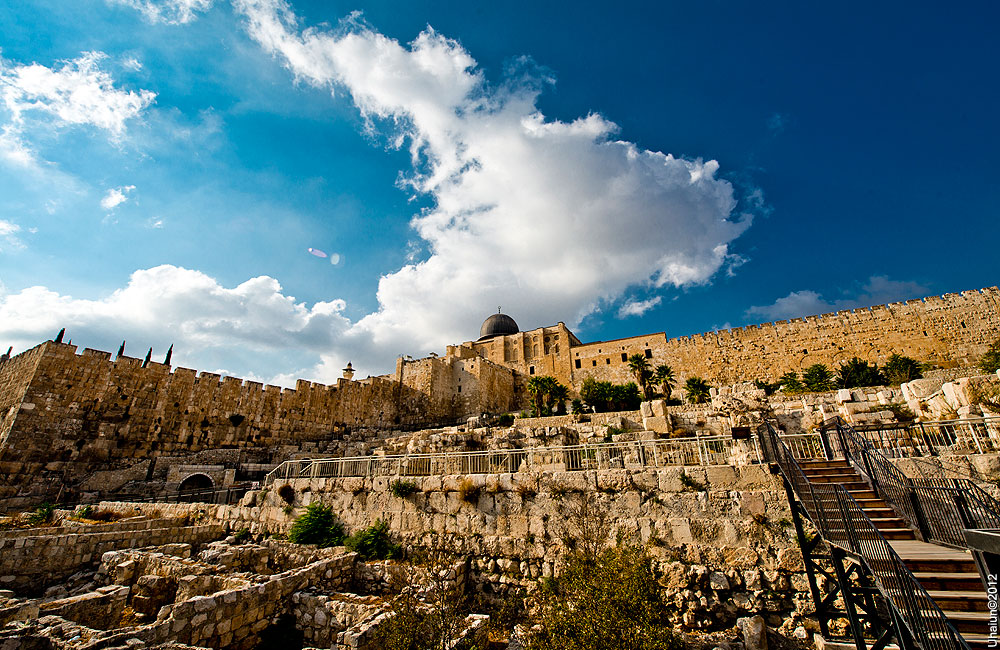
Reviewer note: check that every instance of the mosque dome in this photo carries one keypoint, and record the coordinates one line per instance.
(497, 325)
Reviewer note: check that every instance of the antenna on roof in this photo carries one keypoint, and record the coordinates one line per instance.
(498, 310)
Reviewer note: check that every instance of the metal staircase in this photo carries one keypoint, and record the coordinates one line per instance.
(874, 525)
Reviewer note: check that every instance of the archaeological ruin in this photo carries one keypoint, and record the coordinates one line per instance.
(151, 506)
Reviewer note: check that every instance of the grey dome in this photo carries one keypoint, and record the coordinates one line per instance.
(497, 325)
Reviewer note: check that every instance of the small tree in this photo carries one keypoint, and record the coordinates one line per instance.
(596, 394)
(817, 377)
(625, 397)
(698, 390)
(639, 365)
(536, 388)
(317, 525)
(374, 543)
(855, 373)
(789, 383)
(991, 360)
(558, 394)
(613, 601)
(899, 369)
(664, 376)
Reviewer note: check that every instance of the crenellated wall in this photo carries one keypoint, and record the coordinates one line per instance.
(953, 329)
(66, 415)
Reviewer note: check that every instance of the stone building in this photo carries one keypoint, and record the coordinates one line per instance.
(949, 330)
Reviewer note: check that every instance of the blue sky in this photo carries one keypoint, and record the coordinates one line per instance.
(166, 164)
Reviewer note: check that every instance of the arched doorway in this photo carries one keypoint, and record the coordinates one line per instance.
(193, 488)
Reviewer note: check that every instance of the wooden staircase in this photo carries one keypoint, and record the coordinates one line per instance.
(949, 575)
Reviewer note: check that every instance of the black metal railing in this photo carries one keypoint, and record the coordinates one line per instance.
(843, 523)
(939, 508)
(219, 496)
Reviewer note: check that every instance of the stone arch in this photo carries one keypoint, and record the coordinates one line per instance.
(194, 484)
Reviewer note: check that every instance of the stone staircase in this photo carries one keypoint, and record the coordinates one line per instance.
(949, 575)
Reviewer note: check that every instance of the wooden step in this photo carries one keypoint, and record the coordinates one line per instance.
(975, 622)
(810, 464)
(897, 533)
(959, 601)
(843, 479)
(824, 471)
(940, 566)
(948, 581)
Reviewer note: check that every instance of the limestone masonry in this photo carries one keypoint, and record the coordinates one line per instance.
(65, 417)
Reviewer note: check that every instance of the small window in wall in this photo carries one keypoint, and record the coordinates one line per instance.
(963, 324)
(805, 352)
(607, 361)
(649, 353)
(557, 348)
(595, 362)
(624, 356)
(534, 350)
(460, 388)
(531, 370)
(577, 363)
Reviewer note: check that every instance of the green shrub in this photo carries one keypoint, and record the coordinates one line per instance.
(373, 543)
(402, 489)
(990, 362)
(84, 512)
(817, 378)
(899, 369)
(690, 483)
(901, 412)
(287, 493)
(469, 491)
(505, 420)
(614, 601)
(242, 535)
(790, 384)
(856, 373)
(42, 515)
(317, 525)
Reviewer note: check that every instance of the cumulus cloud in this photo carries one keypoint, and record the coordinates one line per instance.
(76, 92)
(878, 290)
(248, 328)
(172, 12)
(638, 307)
(8, 235)
(116, 196)
(556, 219)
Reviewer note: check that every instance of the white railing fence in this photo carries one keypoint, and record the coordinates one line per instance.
(702, 450)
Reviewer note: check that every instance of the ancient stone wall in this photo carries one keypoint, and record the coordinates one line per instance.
(32, 563)
(953, 329)
(68, 415)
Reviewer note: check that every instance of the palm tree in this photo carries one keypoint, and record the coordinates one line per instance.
(664, 376)
(639, 365)
(698, 390)
(558, 394)
(536, 388)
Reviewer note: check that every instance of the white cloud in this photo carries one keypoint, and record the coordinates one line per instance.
(76, 93)
(555, 219)
(173, 12)
(8, 235)
(878, 290)
(116, 196)
(638, 307)
(251, 327)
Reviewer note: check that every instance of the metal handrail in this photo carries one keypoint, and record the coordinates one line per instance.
(941, 509)
(700, 450)
(842, 522)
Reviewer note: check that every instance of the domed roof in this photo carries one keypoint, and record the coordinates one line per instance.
(497, 325)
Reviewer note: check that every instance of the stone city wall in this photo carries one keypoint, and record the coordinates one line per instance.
(953, 329)
(30, 564)
(69, 415)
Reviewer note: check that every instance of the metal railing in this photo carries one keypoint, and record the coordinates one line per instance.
(843, 523)
(704, 450)
(941, 509)
(970, 435)
(225, 495)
